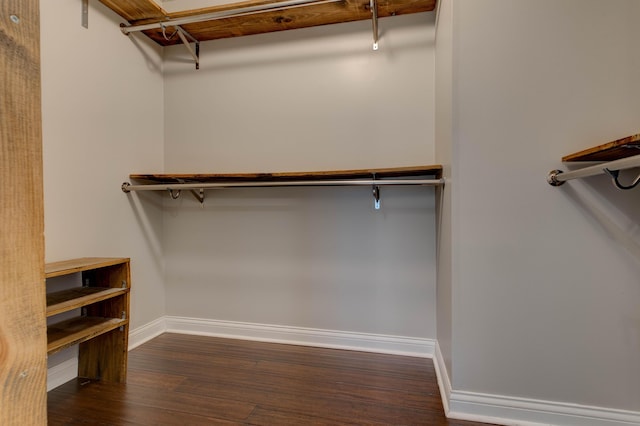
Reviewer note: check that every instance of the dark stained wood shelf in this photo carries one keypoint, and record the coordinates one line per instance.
(138, 12)
(413, 171)
(615, 150)
(77, 330)
(67, 300)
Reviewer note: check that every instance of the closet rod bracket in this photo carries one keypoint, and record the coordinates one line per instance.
(615, 177)
(376, 193)
(552, 178)
(376, 197)
(373, 5)
(125, 187)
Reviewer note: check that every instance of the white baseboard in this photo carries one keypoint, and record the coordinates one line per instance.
(146, 332)
(442, 375)
(62, 373)
(511, 411)
(408, 346)
(522, 411)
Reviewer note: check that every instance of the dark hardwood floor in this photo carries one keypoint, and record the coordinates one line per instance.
(191, 380)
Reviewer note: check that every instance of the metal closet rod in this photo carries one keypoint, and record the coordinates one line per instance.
(127, 187)
(225, 14)
(558, 177)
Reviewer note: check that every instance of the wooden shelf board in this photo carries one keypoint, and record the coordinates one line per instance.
(56, 269)
(77, 330)
(147, 11)
(74, 298)
(621, 148)
(432, 170)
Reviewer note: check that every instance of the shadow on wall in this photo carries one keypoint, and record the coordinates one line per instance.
(142, 43)
(615, 211)
(144, 205)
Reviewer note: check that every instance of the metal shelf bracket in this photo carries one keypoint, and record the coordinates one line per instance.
(199, 195)
(185, 37)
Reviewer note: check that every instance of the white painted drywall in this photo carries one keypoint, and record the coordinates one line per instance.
(311, 99)
(444, 156)
(102, 112)
(546, 303)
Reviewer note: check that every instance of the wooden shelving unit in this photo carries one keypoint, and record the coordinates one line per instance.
(615, 150)
(102, 328)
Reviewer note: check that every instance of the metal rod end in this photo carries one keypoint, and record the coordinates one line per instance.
(125, 187)
(552, 178)
(125, 29)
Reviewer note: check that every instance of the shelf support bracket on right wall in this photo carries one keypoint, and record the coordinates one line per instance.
(185, 37)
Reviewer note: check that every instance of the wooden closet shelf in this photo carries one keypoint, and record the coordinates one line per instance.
(137, 12)
(77, 330)
(67, 267)
(413, 171)
(615, 150)
(74, 298)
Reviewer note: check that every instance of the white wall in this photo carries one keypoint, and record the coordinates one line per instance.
(311, 99)
(102, 106)
(444, 156)
(546, 304)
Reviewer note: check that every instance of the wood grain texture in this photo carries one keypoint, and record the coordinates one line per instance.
(74, 298)
(105, 357)
(615, 150)
(67, 267)
(103, 329)
(77, 330)
(133, 10)
(179, 379)
(413, 171)
(137, 12)
(23, 366)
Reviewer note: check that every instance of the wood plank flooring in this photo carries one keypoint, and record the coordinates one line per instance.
(179, 379)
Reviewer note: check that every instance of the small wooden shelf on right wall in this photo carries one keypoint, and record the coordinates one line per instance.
(615, 150)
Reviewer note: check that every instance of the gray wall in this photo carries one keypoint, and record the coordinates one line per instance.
(312, 99)
(444, 75)
(102, 105)
(546, 293)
